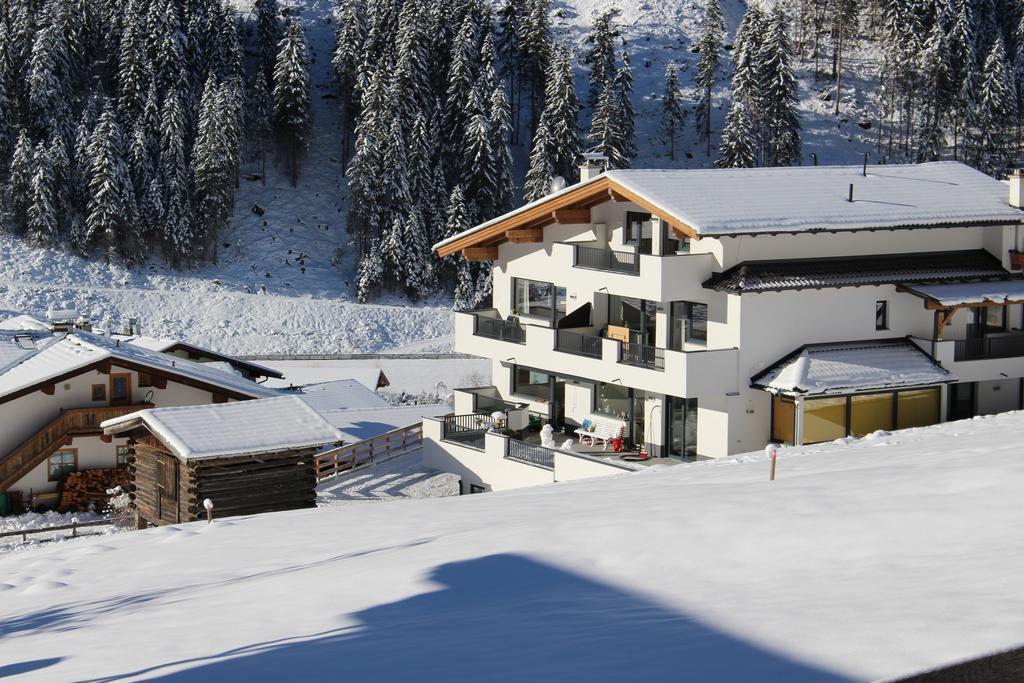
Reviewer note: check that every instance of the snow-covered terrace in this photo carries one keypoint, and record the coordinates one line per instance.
(965, 293)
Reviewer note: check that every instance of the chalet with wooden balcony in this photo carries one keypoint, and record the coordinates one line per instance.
(702, 313)
(56, 388)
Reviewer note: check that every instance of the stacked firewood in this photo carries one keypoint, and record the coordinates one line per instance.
(87, 489)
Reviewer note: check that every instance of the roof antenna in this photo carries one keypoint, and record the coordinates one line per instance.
(850, 199)
(865, 171)
(814, 156)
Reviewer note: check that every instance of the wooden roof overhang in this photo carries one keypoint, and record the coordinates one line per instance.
(570, 207)
(104, 367)
(944, 312)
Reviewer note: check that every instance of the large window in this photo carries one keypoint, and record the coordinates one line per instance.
(62, 463)
(824, 419)
(682, 424)
(538, 299)
(532, 383)
(611, 399)
(917, 408)
(689, 324)
(827, 419)
(639, 231)
(639, 315)
(783, 419)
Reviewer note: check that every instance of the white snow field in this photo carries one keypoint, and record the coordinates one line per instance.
(285, 279)
(864, 560)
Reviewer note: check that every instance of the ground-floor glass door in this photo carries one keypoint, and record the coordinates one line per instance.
(961, 400)
(682, 427)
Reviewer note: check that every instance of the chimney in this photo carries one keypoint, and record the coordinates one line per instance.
(1017, 188)
(594, 164)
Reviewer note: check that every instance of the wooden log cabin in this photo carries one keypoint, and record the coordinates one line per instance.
(248, 457)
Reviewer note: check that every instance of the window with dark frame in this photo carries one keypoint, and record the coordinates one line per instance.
(476, 488)
(881, 315)
(99, 392)
(121, 458)
(538, 299)
(62, 463)
(145, 380)
(689, 324)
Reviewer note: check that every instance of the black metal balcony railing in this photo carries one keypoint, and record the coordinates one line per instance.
(578, 344)
(468, 430)
(496, 328)
(604, 259)
(644, 356)
(535, 455)
(1009, 346)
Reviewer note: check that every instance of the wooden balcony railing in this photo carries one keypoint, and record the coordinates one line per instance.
(356, 456)
(39, 446)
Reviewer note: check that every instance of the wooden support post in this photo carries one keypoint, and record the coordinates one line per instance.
(480, 253)
(772, 451)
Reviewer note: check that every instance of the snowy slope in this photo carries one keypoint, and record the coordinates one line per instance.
(285, 280)
(865, 560)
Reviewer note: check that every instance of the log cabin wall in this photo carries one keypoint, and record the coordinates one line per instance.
(238, 485)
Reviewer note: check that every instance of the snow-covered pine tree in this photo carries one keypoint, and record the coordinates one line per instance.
(111, 204)
(537, 51)
(174, 177)
(997, 112)
(292, 107)
(461, 81)
(747, 84)
(366, 169)
(963, 72)
(411, 88)
(501, 126)
(461, 269)
(710, 39)
(370, 274)
(605, 135)
(42, 228)
(60, 169)
(258, 121)
(562, 115)
(542, 168)
(49, 82)
(20, 179)
(509, 26)
(211, 168)
(935, 96)
(782, 125)
(399, 255)
(268, 35)
(624, 111)
(671, 110)
(738, 148)
(478, 173)
(600, 54)
(134, 76)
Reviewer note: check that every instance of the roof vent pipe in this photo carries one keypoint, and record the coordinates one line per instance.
(814, 157)
(1017, 188)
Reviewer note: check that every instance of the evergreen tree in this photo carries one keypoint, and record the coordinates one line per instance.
(211, 167)
(268, 34)
(49, 82)
(292, 112)
(997, 112)
(605, 133)
(738, 148)
(110, 220)
(259, 125)
(459, 221)
(42, 212)
(537, 51)
(561, 116)
(936, 93)
(782, 125)
(178, 234)
(625, 113)
(542, 166)
(600, 54)
(371, 271)
(20, 180)
(671, 110)
(501, 154)
(134, 76)
(461, 82)
(709, 45)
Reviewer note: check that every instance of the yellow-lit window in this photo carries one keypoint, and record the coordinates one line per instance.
(824, 419)
(783, 420)
(870, 413)
(917, 408)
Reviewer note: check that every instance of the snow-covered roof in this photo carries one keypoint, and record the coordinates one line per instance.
(80, 349)
(17, 345)
(365, 423)
(25, 322)
(730, 201)
(239, 428)
(342, 394)
(850, 367)
(953, 294)
(165, 345)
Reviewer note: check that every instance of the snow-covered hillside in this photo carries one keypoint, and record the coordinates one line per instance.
(285, 279)
(871, 559)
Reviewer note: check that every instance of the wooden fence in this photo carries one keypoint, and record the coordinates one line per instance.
(365, 453)
(74, 527)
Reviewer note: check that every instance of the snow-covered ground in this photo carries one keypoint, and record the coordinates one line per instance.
(868, 559)
(400, 478)
(285, 279)
(410, 375)
(37, 521)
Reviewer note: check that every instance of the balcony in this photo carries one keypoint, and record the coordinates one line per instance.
(642, 356)
(487, 324)
(627, 262)
(1009, 345)
(578, 344)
